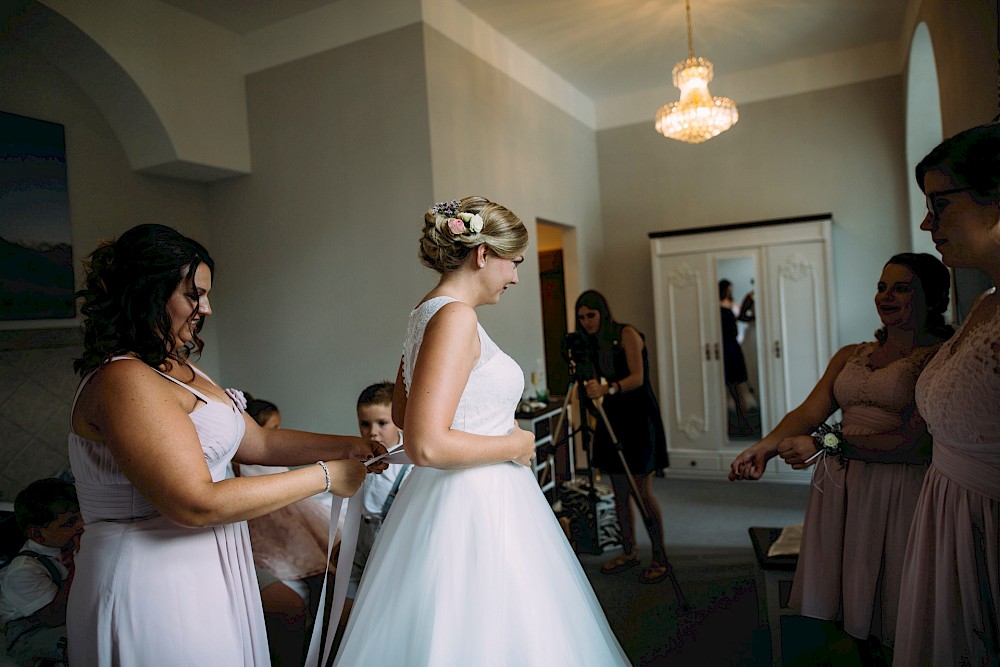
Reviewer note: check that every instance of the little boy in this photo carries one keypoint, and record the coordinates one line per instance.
(375, 424)
(34, 586)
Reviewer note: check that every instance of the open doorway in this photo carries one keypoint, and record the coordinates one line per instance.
(552, 282)
(559, 282)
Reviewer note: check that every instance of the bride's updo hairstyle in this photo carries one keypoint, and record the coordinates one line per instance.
(454, 229)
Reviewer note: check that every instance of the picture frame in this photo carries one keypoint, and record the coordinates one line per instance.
(36, 252)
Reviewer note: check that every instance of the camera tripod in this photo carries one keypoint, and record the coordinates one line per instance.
(589, 435)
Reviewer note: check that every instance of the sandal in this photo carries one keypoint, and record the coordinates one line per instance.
(620, 563)
(655, 573)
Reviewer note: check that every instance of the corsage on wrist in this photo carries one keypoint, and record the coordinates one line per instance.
(829, 441)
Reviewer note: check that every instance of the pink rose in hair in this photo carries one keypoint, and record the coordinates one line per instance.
(456, 226)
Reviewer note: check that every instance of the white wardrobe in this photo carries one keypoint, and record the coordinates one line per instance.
(787, 343)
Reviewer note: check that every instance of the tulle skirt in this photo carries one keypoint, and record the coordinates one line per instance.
(472, 568)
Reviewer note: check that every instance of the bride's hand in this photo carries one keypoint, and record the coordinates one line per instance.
(524, 445)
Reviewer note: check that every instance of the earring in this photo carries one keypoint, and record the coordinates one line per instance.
(482, 265)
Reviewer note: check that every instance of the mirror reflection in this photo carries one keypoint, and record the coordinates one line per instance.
(738, 315)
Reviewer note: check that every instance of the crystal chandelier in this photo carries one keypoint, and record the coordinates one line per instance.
(698, 116)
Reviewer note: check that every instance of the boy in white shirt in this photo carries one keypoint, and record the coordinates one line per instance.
(34, 586)
(376, 426)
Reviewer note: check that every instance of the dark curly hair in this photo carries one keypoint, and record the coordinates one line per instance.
(127, 285)
(935, 281)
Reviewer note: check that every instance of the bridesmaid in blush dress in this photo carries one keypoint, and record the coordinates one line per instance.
(949, 610)
(861, 504)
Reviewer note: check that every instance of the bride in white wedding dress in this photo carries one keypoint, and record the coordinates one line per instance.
(470, 566)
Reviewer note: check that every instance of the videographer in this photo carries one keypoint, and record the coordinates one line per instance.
(620, 381)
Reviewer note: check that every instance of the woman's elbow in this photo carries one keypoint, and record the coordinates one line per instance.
(191, 514)
(422, 451)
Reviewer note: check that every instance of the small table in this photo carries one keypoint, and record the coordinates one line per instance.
(774, 584)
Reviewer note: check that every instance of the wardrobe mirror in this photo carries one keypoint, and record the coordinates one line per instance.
(738, 312)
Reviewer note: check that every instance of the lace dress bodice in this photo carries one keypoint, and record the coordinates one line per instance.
(959, 392)
(495, 385)
(878, 399)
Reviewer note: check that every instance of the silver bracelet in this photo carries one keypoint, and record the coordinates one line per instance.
(326, 472)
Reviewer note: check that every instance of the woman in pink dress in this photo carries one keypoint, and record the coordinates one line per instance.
(862, 501)
(164, 575)
(949, 610)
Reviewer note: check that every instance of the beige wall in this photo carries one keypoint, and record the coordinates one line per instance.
(964, 36)
(835, 151)
(492, 136)
(106, 197)
(317, 248)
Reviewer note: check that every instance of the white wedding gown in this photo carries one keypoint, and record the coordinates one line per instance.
(471, 566)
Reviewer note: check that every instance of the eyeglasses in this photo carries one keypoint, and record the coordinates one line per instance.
(932, 197)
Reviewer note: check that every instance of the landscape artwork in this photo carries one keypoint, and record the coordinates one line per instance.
(36, 254)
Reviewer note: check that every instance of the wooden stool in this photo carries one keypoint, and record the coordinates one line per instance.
(774, 585)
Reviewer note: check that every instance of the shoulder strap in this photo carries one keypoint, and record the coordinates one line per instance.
(86, 379)
(194, 391)
(46, 561)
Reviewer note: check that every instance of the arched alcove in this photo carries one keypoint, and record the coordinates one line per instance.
(923, 125)
(149, 142)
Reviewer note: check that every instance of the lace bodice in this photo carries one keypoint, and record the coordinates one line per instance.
(959, 391)
(889, 389)
(495, 385)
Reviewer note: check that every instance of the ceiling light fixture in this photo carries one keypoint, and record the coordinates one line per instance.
(698, 116)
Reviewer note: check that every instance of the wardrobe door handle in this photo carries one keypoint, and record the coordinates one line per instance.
(708, 352)
(716, 351)
(777, 349)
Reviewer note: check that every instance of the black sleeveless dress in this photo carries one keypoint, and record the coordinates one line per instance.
(634, 415)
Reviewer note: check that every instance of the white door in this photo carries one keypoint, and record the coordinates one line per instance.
(798, 345)
(689, 359)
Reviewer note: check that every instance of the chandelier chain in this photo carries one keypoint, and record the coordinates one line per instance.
(687, 10)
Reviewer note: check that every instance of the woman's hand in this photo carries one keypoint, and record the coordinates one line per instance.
(346, 476)
(524, 445)
(750, 463)
(795, 450)
(595, 389)
(377, 449)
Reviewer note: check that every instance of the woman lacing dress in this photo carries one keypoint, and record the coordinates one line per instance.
(859, 512)
(950, 604)
(471, 566)
(150, 592)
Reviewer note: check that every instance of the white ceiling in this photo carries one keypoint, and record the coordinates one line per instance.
(609, 48)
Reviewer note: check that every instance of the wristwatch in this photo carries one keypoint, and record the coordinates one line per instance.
(612, 389)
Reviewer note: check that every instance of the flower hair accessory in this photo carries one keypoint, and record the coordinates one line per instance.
(457, 222)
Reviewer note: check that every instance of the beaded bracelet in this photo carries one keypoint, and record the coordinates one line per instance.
(326, 472)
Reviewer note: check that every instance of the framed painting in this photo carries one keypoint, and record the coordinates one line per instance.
(36, 253)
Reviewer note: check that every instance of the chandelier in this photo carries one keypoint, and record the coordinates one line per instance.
(698, 116)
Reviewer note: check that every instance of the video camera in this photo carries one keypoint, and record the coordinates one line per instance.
(578, 352)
